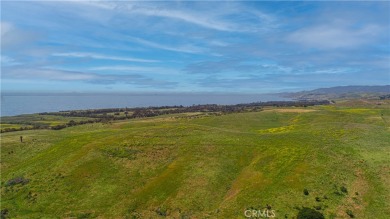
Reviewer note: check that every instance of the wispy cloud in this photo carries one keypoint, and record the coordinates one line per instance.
(159, 10)
(237, 45)
(190, 17)
(7, 61)
(47, 74)
(13, 37)
(137, 69)
(99, 56)
(25, 72)
(194, 14)
(176, 48)
(222, 66)
(334, 37)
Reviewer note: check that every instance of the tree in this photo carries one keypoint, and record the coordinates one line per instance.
(308, 213)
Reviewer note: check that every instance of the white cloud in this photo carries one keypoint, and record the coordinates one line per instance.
(182, 48)
(138, 69)
(98, 56)
(5, 27)
(13, 37)
(190, 17)
(206, 18)
(7, 61)
(47, 74)
(333, 37)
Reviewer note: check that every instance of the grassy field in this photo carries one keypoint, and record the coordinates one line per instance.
(205, 166)
(35, 120)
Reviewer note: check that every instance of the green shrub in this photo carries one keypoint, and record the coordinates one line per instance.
(308, 213)
(162, 211)
(344, 189)
(306, 192)
(17, 180)
(4, 213)
(350, 213)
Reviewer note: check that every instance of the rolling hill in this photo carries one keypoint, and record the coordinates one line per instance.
(342, 92)
(330, 159)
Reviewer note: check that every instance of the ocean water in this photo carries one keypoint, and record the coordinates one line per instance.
(17, 104)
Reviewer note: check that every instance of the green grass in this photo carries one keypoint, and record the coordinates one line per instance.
(186, 166)
(16, 126)
(36, 120)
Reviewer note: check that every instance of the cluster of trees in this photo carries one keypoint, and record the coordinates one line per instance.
(74, 123)
(384, 97)
(91, 113)
(15, 129)
(107, 115)
(25, 126)
(115, 113)
(155, 111)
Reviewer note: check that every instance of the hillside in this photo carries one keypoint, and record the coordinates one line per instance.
(352, 89)
(340, 92)
(332, 159)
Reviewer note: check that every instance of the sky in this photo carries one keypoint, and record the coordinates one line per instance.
(203, 46)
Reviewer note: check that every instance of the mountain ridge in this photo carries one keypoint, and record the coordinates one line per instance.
(351, 91)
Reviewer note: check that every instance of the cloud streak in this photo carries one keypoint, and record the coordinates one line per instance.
(176, 48)
(202, 19)
(334, 37)
(99, 56)
(27, 73)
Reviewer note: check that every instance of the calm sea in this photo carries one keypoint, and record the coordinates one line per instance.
(12, 104)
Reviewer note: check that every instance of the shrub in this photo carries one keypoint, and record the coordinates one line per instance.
(318, 199)
(306, 192)
(162, 211)
(308, 213)
(344, 189)
(58, 127)
(17, 180)
(350, 213)
(72, 123)
(4, 213)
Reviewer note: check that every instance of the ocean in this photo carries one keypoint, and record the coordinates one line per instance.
(17, 104)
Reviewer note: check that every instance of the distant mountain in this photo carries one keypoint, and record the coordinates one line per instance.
(342, 92)
(352, 89)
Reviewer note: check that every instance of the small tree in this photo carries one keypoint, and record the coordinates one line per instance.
(350, 213)
(72, 123)
(308, 213)
(344, 189)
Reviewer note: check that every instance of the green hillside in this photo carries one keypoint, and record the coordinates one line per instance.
(205, 166)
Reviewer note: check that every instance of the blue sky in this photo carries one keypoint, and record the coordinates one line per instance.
(181, 46)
